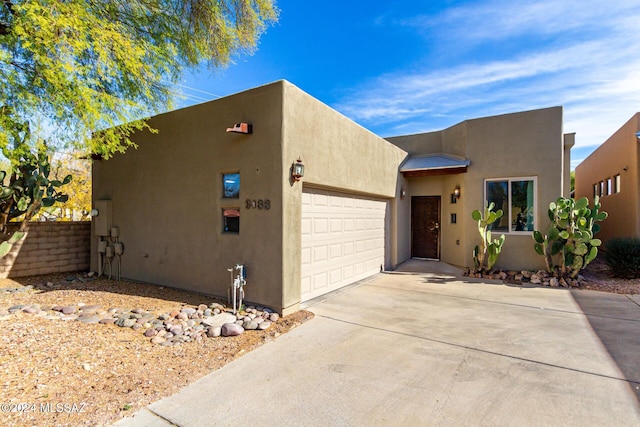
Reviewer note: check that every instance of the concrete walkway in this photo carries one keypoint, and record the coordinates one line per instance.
(425, 346)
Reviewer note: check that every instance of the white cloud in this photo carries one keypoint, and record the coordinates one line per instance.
(583, 55)
(500, 19)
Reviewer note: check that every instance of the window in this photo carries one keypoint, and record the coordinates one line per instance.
(231, 185)
(516, 198)
(602, 188)
(609, 186)
(616, 183)
(231, 220)
(595, 190)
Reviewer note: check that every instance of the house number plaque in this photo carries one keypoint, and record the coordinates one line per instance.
(258, 204)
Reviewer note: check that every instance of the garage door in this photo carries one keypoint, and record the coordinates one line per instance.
(342, 240)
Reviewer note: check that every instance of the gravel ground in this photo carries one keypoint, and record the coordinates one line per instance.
(599, 277)
(65, 373)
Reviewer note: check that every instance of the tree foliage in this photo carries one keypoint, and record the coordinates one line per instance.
(78, 206)
(71, 68)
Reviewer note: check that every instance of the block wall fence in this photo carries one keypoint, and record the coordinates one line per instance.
(49, 247)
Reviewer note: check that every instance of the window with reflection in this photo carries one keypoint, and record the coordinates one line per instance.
(231, 185)
(517, 199)
(497, 192)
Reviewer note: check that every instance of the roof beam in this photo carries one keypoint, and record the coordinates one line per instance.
(434, 172)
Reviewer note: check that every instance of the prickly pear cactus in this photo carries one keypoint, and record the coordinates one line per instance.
(5, 247)
(29, 188)
(488, 250)
(571, 235)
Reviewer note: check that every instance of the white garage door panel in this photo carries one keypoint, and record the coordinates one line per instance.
(342, 240)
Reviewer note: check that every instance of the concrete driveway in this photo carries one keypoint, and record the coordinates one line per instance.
(429, 347)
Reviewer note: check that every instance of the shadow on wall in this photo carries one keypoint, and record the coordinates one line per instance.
(619, 333)
(49, 247)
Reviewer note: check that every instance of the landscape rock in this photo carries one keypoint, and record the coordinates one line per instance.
(219, 319)
(125, 323)
(167, 329)
(264, 325)
(16, 308)
(231, 330)
(150, 333)
(249, 325)
(91, 308)
(176, 330)
(540, 278)
(69, 309)
(89, 320)
(214, 331)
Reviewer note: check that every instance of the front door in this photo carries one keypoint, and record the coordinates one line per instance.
(425, 227)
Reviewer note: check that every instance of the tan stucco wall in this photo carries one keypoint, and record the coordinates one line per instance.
(526, 144)
(167, 197)
(617, 155)
(338, 154)
(569, 142)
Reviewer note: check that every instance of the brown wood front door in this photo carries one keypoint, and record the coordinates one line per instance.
(425, 227)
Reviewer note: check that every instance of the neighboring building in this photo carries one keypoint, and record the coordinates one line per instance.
(194, 200)
(611, 172)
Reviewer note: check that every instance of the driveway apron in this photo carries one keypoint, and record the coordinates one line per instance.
(426, 346)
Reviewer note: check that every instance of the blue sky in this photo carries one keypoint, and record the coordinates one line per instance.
(402, 67)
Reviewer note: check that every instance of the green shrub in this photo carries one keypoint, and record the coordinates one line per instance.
(623, 257)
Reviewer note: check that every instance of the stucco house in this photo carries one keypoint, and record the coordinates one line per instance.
(611, 172)
(195, 200)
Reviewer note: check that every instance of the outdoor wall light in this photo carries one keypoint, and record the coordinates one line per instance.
(403, 193)
(297, 170)
(241, 128)
(94, 212)
(456, 192)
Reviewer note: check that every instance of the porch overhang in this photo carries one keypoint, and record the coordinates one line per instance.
(433, 165)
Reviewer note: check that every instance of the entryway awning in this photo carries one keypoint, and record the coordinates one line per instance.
(434, 164)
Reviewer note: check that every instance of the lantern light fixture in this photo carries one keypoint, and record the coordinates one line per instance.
(456, 192)
(297, 170)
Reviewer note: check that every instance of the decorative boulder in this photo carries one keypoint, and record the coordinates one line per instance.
(231, 330)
